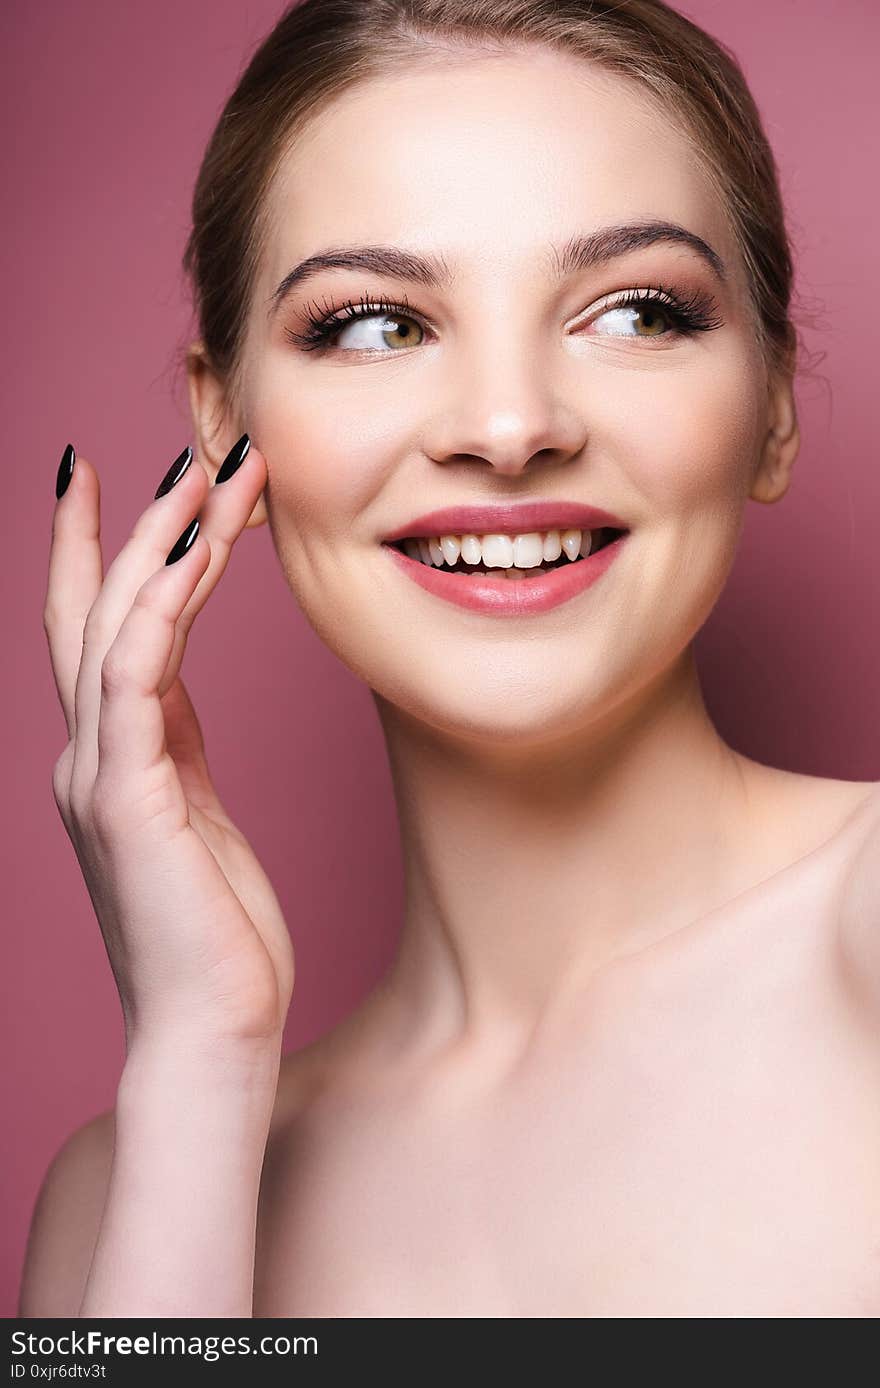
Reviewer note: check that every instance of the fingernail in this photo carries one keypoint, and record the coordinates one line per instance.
(65, 471)
(234, 459)
(175, 472)
(181, 546)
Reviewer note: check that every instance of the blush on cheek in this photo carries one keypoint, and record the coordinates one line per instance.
(701, 446)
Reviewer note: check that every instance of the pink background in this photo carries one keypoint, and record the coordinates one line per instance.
(111, 106)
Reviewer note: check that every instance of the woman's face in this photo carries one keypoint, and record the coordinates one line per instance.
(506, 384)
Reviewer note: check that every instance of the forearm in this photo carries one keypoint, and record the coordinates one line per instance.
(179, 1225)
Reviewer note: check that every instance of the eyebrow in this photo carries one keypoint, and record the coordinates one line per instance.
(432, 271)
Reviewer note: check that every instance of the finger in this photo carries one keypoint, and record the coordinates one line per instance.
(157, 529)
(76, 572)
(226, 510)
(131, 725)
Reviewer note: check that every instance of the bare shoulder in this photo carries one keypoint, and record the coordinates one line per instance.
(793, 814)
(817, 806)
(860, 913)
(69, 1206)
(65, 1222)
(844, 817)
(836, 825)
(366, 1045)
(354, 1048)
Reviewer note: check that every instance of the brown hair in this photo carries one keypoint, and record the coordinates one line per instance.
(320, 48)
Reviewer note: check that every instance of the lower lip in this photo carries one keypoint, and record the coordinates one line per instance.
(511, 597)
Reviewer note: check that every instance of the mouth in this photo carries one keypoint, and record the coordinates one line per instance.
(522, 557)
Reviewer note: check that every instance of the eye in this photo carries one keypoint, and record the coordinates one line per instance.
(369, 324)
(662, 312)
(378, 326)
(654, 317)
(373, 329)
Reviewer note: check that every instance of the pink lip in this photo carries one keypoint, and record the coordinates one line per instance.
(505, 597)
(507, 519)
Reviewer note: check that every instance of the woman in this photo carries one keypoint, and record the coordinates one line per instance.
(625, 1061)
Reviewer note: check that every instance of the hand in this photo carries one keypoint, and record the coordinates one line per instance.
(193, 929)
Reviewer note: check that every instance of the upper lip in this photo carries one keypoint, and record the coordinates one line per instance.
(508, 519)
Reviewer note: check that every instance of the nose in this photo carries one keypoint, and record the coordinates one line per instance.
(504, 411)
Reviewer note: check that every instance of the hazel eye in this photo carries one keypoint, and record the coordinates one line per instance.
(395, 330)
(393, 326)
(656, 318)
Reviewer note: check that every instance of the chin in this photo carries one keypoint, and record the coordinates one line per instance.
(502, 705)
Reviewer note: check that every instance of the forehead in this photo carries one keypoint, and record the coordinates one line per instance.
(486, 158)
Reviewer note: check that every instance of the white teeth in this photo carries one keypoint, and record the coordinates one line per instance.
(571, 542)
(528, 550)
(552, 546)
(451, 547)
(497, 551)
(470, 549)
(513, 554)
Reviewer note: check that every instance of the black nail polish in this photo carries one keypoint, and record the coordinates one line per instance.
(181, 546)
(233, 460)
(175, 472)
(65, 471)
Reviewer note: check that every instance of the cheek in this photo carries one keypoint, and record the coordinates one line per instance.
(694, 447)
(324, 490)
(321, 454)
(689, 456)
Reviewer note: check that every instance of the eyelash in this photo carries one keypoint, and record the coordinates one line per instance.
(689, 314)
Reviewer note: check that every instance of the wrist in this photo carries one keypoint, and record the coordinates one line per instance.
(177, 1234)
(201, 1067)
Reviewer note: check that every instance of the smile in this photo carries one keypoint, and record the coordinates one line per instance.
(508, 575)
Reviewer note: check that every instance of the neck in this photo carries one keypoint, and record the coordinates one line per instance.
(527, 868)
